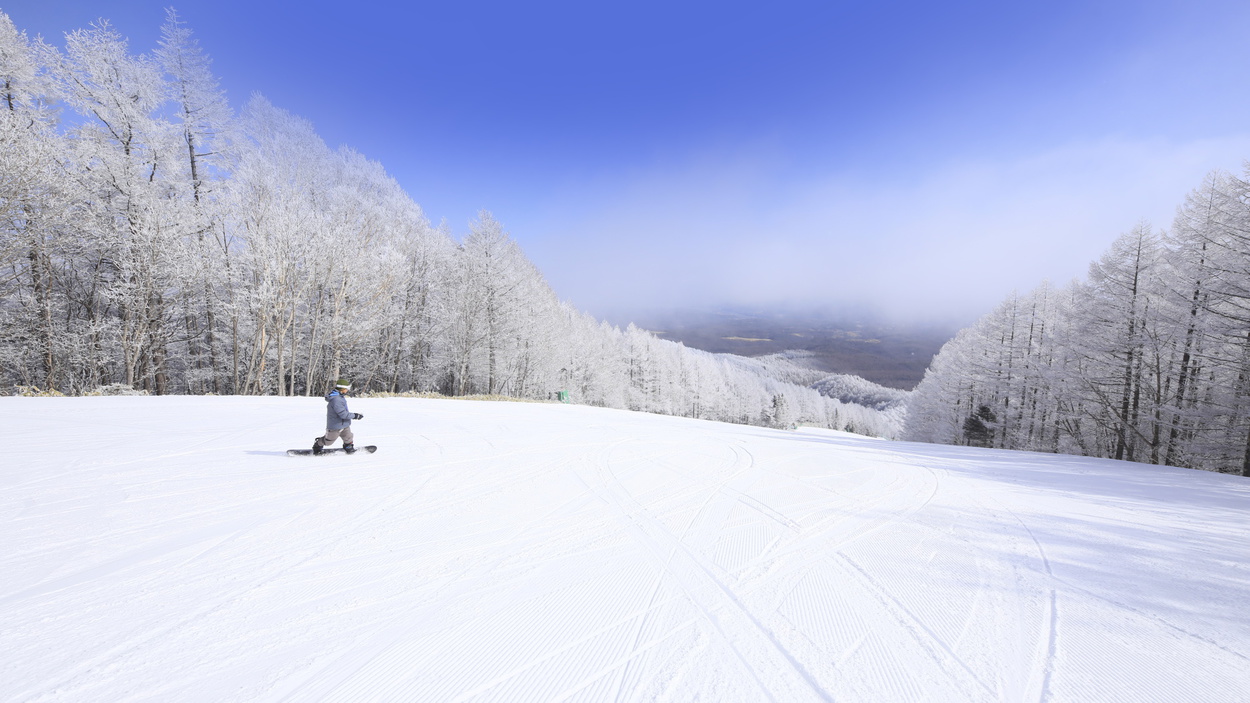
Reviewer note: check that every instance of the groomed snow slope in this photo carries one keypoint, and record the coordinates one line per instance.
(166, 549)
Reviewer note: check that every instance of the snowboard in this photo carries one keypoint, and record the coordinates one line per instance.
(368, 449)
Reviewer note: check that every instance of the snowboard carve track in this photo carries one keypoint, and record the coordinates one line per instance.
(619, 687)
(941, 652)
(653, 535)
(664, 574)
(839, 531)
(1050, 632)
(738, 467)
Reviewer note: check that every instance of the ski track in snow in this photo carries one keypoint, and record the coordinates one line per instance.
(167, 549)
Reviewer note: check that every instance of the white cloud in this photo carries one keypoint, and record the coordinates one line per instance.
(952, 240)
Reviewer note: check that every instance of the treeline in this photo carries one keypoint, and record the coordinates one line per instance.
(861, 391)
(1147, 360)
(154, 238)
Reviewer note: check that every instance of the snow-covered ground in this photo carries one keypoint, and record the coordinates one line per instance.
(166, 549)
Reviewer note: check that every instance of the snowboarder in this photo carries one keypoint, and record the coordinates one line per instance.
(338, 419)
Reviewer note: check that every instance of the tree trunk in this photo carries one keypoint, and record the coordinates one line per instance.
(42, 281)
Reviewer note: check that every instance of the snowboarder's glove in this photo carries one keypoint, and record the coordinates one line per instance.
(357, 416)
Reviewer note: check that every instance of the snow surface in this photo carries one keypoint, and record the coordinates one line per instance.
(166, 549)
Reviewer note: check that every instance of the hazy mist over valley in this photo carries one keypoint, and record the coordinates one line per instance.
(860, 342)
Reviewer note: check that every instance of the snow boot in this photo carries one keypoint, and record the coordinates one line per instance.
(318, 445)
(350, 448)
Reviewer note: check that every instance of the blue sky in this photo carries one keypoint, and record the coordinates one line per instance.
(922, 157)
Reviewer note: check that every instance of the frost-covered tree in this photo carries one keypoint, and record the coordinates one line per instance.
(1147, 360)
(201, 112)
(121, 155)
(35, 209)
(1229, 306)
(1118, 298)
